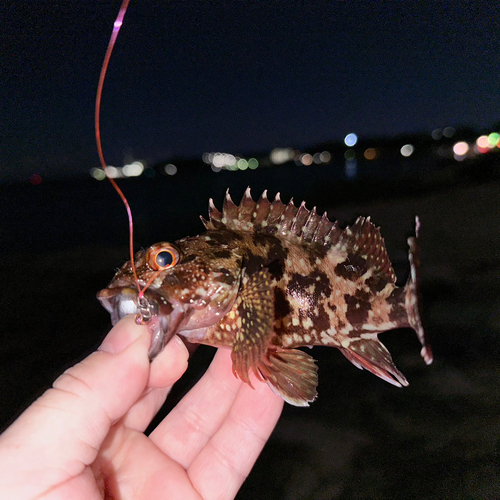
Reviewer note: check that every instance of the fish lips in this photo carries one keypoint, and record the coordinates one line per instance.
(166, 318)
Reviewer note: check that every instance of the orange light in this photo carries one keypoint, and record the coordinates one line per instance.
(370, 153)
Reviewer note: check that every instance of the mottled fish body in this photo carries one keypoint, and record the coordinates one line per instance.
(267, 278)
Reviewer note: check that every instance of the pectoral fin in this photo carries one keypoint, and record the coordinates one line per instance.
(255, 312)
(292, 374)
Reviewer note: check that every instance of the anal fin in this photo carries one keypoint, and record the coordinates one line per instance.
(292, 374)
(373, 356)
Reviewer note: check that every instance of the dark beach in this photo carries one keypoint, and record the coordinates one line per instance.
(362, 438)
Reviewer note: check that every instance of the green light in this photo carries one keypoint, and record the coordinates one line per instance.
(350, 154)
(98, 174)
(493, 139)
(242, 164)
(253, 163)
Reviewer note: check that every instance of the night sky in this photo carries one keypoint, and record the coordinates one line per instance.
(188, 77)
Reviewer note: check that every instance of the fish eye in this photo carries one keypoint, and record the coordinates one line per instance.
(164, 258)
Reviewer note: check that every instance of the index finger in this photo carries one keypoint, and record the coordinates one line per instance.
(60, 434)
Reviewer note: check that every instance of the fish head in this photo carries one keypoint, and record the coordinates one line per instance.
(190, 284)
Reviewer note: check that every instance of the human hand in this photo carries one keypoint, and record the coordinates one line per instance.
(84, 438)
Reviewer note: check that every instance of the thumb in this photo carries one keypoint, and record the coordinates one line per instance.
(60, 434)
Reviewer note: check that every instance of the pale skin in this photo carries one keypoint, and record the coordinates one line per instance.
(83, 438)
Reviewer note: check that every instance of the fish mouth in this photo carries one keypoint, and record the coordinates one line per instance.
(165, 318)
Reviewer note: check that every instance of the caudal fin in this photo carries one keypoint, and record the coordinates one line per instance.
(412, 296)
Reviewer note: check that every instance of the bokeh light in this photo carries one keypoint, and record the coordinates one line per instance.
(306, 159)
(460, 148)
(242, 164)
(325, 157)
(281, 155)
(112, 172)
(448, 132)
(482, 144)
(351, 168)
(350, 139)
(253, 163)
(170, 169)
(350, 154)
(407, 150)
(133, 169)
(98, 174)
(35, 179)
(370, 154)
(437, 134)
(493, 139)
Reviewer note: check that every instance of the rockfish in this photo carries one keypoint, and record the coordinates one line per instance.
(267, 278)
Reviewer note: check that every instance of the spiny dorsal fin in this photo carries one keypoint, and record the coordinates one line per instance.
(362, 239)
(273, 217)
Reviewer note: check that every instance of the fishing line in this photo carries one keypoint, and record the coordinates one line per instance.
(116, 28)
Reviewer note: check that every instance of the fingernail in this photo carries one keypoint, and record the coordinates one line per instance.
(122, 335)
(180, 346)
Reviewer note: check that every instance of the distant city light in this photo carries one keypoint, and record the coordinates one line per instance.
(448, 132)
(407, 150)
(483, 141)
(133, 169)
(221, 160)
(460, 148)
(170, 169)
(306, 159)
(325, 157)
(242, 164)
(208, 158)
(350, 154)
(350, 139)
(351, 168)
(35, 179)
(281, 155)
(218, 160)
(112, 172)
(443, 151)
(370, 153)
(482, 144)
(437, 134)
(253, 163)
(493, 139)
(98, 174)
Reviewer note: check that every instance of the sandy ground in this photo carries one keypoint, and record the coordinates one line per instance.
(363, 438)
